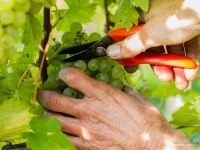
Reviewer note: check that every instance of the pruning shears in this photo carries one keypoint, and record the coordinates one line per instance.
(98, 49)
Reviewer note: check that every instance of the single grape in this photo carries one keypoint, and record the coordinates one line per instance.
(104, 66)
(69, 64)
(146, 91)
(56, 62)
(1, 52)
(112, 62)
(3, 60)
(22, 6)
(76, 27)
(88, 72)
(52, 71)
(20, 18)
(93, 64)
(59, 82)
(53, 81)
(116, 82)
(12, 30)
(7, 17)
(117, 71)
(35, 7)
(10, 52)
(1, 31)
(7, 41)
(46, 85)
(80, 64)
(103, 77)
(94, 37)
(70, 92)
(6, 5)
(68, 38)
(93, 74)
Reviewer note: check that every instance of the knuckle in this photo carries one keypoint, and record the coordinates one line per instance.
(53, 102)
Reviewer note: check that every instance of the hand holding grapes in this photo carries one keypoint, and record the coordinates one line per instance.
(107, 118)
(167, 23)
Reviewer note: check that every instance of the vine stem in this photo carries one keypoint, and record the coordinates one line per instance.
(42, 57)
(107, 16)
(40, 72)
(43, 50)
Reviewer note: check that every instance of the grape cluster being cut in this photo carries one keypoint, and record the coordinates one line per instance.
(13, 14)
(101, 68)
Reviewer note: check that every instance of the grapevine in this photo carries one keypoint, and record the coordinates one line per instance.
(32, 32)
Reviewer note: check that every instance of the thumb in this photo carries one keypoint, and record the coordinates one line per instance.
(129, 47)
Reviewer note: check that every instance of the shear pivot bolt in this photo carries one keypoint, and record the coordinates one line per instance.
(100, 51)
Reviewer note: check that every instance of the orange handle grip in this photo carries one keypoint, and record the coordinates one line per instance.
(150, 58)
(159, 59)
(121, 34)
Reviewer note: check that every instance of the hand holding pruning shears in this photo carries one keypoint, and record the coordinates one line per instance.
(164, 27)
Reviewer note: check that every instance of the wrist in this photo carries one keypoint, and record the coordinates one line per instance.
(176, 140)
(155, 137)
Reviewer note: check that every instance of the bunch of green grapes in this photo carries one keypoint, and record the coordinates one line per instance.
(13, 14)
(76, 36)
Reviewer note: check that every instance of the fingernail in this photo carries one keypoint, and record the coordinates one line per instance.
(113, 50)
(128, 87)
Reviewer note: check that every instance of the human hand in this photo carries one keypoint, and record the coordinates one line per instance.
(107, 118)
(167, 23)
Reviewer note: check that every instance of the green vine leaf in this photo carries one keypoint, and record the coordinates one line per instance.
(79, 11)
(46, 130)
(32, 37)
(143, 4)
(189, 114)
(13, 84)
(28, 86)
(14, 119)
(126, 14)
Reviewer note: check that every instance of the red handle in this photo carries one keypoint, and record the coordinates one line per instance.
(150, 58)
(121, 34)
(159, 59)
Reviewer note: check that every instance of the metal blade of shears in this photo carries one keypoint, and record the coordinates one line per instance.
(98, 49)
(75, 49)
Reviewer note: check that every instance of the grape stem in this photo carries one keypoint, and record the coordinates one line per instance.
(22, 63)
